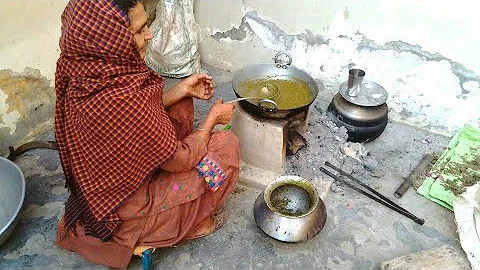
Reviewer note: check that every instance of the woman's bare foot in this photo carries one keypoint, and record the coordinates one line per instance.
(205, 228)
(209, 225)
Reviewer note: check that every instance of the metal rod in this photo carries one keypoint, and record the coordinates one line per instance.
(365, 186)
(14, 153)
(426, 159)
(370, 189)
(399, 210)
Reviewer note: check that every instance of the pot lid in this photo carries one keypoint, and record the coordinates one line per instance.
(369, 94)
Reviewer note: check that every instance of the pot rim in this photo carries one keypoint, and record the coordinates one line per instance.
(273, 71)
(291, 180)
(290, 73)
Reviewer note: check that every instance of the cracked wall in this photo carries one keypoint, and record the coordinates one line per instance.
(28, 52)
(26, 107)
(423, 54)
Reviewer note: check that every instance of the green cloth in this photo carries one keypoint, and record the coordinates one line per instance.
(463, 148)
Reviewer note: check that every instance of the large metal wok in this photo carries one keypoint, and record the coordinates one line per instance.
(280, 70)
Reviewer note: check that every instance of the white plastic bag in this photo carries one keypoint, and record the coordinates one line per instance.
(467, 216)
(173, 50)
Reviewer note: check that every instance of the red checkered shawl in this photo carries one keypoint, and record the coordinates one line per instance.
(110, 124)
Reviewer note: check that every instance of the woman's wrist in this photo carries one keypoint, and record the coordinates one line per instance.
(181, 91)
(205, 130)
(209, 123)
(184, 91)
(175, 94)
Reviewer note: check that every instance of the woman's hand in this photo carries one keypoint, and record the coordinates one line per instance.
(221, 112)
(198, 85)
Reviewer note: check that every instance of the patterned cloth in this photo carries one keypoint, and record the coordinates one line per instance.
(212, 173)
(110, 124)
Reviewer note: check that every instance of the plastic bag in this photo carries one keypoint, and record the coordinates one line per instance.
(173, 50)
(467, 216)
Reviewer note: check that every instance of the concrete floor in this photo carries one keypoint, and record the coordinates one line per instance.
(359, 233)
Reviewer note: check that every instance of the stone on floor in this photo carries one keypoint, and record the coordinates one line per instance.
(444, 257)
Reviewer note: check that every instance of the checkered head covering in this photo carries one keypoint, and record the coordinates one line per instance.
(111, 127)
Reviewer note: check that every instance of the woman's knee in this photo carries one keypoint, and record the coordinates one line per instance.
(182, 117)
(183, 111)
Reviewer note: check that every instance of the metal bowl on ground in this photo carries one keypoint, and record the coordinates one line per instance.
(290, 210)
(12, 195)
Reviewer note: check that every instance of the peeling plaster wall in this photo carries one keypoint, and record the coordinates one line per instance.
(30, 33)
(423, 52)
(26, 107)
(28, 52)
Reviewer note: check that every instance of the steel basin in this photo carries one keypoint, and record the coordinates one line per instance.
(290, 210)
(12, 195)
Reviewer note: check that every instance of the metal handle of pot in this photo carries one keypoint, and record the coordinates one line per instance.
(280, 63)
(265, 109)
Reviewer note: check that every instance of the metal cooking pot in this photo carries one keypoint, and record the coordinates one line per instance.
(359, 115)
(360, 107)
(281, 69)
(290, 210)
(12, 195)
